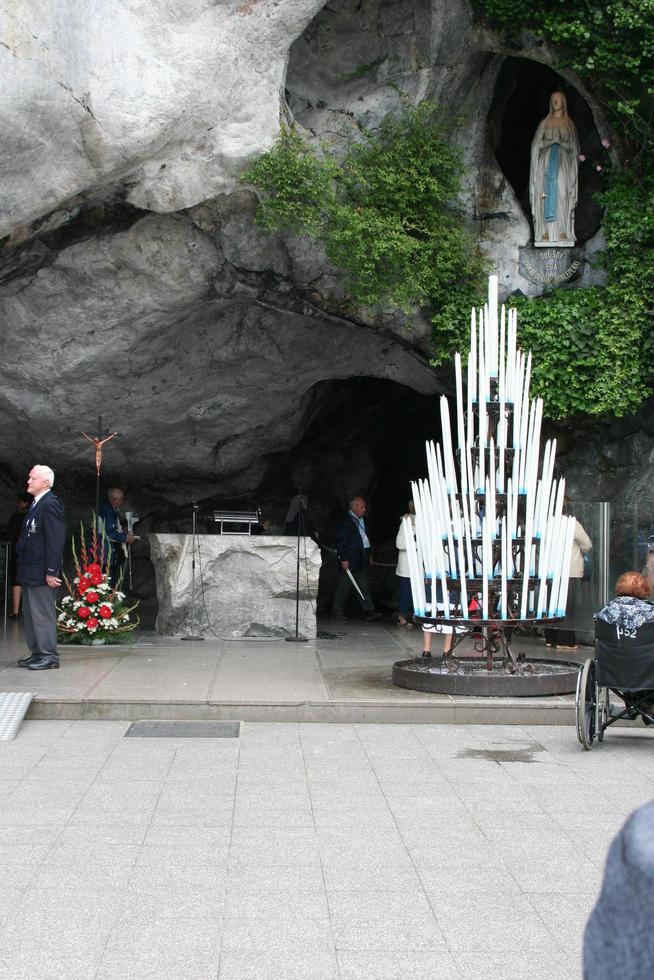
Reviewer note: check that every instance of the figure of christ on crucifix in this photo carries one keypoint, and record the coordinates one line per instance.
(98, 443)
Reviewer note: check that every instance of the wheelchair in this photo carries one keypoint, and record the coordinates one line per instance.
(623, 665)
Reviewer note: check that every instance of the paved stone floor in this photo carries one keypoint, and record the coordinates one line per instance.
(307, 852)
(347, 677)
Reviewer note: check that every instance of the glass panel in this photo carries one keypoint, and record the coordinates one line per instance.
(632, 543)
(586, 595)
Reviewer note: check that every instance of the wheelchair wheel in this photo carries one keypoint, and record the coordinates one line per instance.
(585, 705)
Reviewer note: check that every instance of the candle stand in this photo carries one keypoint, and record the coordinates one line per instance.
(490, 526)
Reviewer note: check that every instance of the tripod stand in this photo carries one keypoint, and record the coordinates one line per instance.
(301, 503)
(192, 635)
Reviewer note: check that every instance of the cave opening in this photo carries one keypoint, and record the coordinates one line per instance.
(359, 436)
(520, 101)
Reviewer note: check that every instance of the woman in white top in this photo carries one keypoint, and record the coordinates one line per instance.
(405, 601)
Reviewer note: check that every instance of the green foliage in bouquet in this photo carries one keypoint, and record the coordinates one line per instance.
(93, 608)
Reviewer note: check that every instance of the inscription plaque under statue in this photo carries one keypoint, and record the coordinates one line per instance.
(550, 267)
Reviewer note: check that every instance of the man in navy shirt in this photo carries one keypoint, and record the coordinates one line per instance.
(353, 552)
(39, 551)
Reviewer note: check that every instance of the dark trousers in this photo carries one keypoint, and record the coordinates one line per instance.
(344, 587)
(560, 638)
(405, 598)
(40, 617)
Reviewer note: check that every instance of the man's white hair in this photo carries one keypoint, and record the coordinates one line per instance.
(45, 473)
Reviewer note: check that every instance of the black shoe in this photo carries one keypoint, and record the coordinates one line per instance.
(426, 654)
(26, 661)
(41, 663)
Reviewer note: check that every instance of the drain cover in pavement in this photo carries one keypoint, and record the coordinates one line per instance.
(13, 708)
(183, 729)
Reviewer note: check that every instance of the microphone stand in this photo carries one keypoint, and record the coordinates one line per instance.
(300, 521)
(192, 635)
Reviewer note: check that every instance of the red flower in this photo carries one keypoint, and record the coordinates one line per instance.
(83, 585)
(93, 567)
(91, 622)
(96, 578)
(91, 596)
(105, 612)
(83, 612)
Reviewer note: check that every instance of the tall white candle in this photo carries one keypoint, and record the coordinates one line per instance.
(505, 565)
(490, 500)
(484, 571)
(459, 402)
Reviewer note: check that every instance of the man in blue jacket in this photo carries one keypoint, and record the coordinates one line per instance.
(118, 539)
(353, 553)
(39, 550)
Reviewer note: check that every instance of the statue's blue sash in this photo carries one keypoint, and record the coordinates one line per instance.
(551, 181)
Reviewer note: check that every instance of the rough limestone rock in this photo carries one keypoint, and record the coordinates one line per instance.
(211, 347)
(200, 368)
(170, 97)
(247, 584)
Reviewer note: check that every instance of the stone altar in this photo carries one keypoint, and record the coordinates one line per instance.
(248, 582)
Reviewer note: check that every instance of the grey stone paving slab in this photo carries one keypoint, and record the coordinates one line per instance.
(269, 903)
(290, 675)
(208, 838)
(37, 834)
(290, 964)
(481, 879)
(95, 854)
(381, 921)
(268, 878)
(155, 855)
(354, 878)
(159, 950)
(279, 932)
(273, 818)
(170, 877)
(22, 853)
(118, 832)
(391, 965)
(159, 676)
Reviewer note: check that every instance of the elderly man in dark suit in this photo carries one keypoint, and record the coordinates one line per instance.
(353, 552)
(39, 550)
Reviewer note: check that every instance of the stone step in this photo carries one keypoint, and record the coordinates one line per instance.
(437, 711)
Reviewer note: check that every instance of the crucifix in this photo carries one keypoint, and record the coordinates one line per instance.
(98, 443)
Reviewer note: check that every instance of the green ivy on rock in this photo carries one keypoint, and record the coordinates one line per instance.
(386, 212)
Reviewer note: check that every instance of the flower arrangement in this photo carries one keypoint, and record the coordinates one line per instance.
(94, 609)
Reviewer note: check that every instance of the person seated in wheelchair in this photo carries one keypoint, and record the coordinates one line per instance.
(630, 609)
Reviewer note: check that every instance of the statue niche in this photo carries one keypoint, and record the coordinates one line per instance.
(553, 177)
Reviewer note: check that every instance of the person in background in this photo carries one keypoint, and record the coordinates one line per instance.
(118, 539)
(429, 630)
(11, 534)
(405, 599)
(565, 639)
(353, 553)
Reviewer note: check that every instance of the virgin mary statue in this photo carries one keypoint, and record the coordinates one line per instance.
(553, 177)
